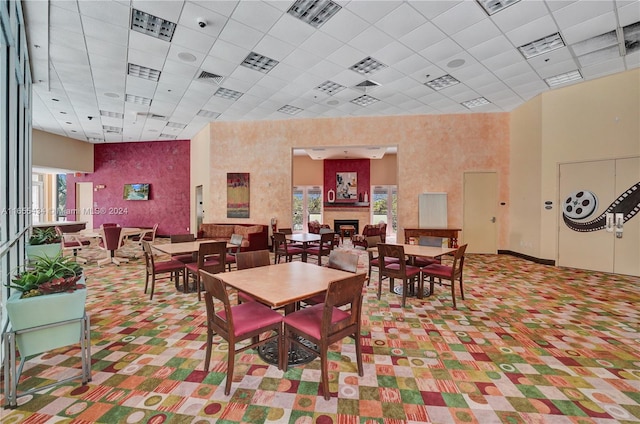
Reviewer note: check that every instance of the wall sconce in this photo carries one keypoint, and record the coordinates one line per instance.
(99, 187)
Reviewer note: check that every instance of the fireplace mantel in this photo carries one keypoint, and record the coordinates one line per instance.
(345, 205)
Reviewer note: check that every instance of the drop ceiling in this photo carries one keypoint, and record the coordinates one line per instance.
(96, 79)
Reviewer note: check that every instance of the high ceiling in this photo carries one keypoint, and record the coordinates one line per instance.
(98, 80)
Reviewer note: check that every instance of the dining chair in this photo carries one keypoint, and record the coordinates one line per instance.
(236, 240)
(323, 248)
(427, 241)
(184, 257)
(289, 231)
(397, 268)
(236, 323)
(152, 268)
(372, 251)
(73, 243)
(446, 272)
(251, 259)
(282, 248)
(146, 234)
(211, 258)
(327, 323)
(111, 240)
(338, 259)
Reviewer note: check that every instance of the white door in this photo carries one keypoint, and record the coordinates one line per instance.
(199, 208)
(84, 203)
(479, 227)
(588, 191)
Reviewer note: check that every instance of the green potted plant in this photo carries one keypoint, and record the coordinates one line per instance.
(44, 241)
(47, 291)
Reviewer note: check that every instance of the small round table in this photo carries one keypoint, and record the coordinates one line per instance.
(348, 230)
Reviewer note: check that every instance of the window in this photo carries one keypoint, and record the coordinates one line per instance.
(385, 207)
(307, 206)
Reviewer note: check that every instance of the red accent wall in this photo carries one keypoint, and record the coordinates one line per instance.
(162, 164)
(361, 166)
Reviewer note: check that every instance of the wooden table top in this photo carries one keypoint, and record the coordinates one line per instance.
(303, 237)
(422, 251)
(95, 232)
(283, 284)
(184, 247)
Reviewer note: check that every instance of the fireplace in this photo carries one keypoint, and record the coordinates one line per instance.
(338, 222)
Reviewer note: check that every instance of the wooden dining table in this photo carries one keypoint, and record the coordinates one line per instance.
(184, 247)
(283, 285)
(305, 239)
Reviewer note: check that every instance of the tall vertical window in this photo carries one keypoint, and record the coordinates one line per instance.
(307, 206)
(385, 207)
(61, 196)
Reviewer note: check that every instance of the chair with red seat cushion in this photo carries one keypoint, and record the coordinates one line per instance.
(323, 248)
(73, 243)
(396, 269)
(327, 323)
(372, 250)
(111, 239)
(427, 241)
(281, 248)
(186, 257)
(289, 231)
(370, 230)
(445, 272)
(235, 323)
(153, 268)
(236, 240)
(251, 259)
(338, 259)
(211, 258)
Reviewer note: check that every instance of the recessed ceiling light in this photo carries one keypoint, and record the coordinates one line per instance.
(137, 100)
(367, 66)
(111, 114)
(157, 117)
(291, 110)
(143, 72)
(168, 136)
(55, 100)
(364, 100)
(563, 78)
(314, 12)
(112, 95)
(207, 114)
(494, 6)
(456, 63)
(186, 57)
(226, 93)
(152, 25)
(442, 82)
(176, 125)
(94, 139)
(112, 130)
(333, 102)
(480, 101)
(542, 45)
(330, 87)
(259, 62)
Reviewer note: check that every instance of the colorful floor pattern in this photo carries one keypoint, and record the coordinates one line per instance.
(529, 344)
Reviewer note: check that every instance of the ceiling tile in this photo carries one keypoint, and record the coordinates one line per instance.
(371, 11)
(191, 12)
(596, 26)
(346, 56)
(581, 11)
(459, 17)
(150, 46)
(257, 14)
(441, 50)
(291, 30)
(344, 25)
(431, 9)
(273, 48)
(532, 31)
(370, 40)
(629, 13)
(401, 21)
(239, 34)
(392, 53)
(113, 13)
(192, 39)
(518, 14)
(490, 48)
(476, 34)
(169, 10)
(422, 37)
(321, 44)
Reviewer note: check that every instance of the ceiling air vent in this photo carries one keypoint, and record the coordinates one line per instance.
(366, 85)
(209, 77)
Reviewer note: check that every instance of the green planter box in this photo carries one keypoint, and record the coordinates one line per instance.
(42, 310)
(41, 250)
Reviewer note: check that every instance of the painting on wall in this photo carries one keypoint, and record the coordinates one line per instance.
(346, 186)
(237, 195)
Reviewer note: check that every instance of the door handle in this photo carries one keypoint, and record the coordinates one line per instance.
(493, 219)
(619, 224)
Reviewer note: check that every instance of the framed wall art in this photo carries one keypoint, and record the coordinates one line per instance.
(237, 195)
(346, 186)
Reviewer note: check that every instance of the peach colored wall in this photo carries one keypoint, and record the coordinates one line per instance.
(58, 152)
(593, 120)
(433, 153)
(384, 171)
(307, 172)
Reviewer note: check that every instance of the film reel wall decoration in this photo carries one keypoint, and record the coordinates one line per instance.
(582, 204)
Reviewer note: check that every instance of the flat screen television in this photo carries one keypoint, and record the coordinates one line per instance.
(136, 192)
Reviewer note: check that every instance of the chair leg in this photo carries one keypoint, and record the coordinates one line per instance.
(207, 353)
(432, 282)
(405, 289)
(324, 371)
(359, 354)
(461, 288)
(379, 284)
(153, 286)
(230, 362)
(146, 281)
(453, 293)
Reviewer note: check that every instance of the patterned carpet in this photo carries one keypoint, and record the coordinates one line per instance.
(529, 344)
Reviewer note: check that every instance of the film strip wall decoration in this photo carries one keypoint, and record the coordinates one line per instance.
(582, 204)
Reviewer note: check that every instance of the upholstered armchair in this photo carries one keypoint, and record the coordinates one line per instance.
(369, 230)
(314, 227)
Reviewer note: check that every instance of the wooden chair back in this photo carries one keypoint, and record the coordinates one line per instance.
(344, 261)
(215, 250)
(392, 251)
(181, 238)
(252, 259)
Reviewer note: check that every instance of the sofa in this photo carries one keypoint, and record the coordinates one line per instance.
(254, 236)
(369, 230)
